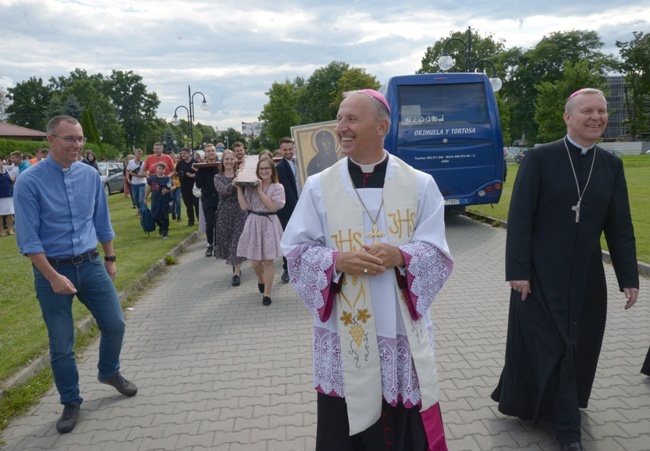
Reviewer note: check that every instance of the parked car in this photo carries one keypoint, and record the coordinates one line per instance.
(520, 156)
(112, 175)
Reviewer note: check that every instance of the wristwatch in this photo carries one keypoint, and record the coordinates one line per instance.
(109, 258)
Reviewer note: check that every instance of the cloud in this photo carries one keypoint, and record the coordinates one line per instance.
(232, 51)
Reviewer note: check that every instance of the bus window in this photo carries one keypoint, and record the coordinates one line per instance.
(448, 105)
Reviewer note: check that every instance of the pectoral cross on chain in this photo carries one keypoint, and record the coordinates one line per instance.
(576, 208)
(375, 234)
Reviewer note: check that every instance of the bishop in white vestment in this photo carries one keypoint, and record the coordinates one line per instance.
(373, 338)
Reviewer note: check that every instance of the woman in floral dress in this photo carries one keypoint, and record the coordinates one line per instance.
(230, 218)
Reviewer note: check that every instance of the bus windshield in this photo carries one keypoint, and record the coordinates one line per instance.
(443, 105)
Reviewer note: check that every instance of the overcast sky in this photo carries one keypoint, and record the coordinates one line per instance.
(232, 51)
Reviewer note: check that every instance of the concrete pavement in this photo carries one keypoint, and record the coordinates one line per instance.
(217, 370)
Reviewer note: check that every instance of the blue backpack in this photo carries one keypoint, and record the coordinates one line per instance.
(146, 219)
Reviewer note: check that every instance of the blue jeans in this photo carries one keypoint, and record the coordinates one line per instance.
(96, 291)
(177, 202)
(137, 194)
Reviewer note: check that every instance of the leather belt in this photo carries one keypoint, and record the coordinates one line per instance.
(262, 213)
(76, 260)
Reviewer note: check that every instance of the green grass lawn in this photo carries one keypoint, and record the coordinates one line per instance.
(637, 173)
(22, 332)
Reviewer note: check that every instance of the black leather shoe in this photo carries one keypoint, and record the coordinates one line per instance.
(235, 281)
(120, 384)
(208, 251)
(266, 300)
(68, 419)
(575, 446)
(285, 277)
(260, 286)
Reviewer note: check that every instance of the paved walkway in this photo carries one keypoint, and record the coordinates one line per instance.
(217, 370)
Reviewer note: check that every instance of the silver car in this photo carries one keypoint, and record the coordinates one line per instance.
(112, 175)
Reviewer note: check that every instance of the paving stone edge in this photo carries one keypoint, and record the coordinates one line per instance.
(84, 325)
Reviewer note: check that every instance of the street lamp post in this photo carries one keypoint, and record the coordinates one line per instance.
(190, 113)
(445, 62)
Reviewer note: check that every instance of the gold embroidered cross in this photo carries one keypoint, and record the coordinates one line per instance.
(375, 234)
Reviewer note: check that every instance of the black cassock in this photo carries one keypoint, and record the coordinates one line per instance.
(554, 337)
(645, 369)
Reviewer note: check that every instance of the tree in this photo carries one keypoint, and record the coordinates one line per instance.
(314, 100)
(231, 136)
(279, 114)
(545, 63)
(169, 142)
(90, 127)
(3, 103)
(504, 115)
(551, 97)
(482, 48)
(636, 67)
(351, 80)
(207, 133)
(29, 101)
(135, 107)
(90, 92)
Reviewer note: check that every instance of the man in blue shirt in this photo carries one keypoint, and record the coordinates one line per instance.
(19, 161)
(61, 212)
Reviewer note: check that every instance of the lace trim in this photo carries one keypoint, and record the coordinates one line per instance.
(308, 264)
(430, 268)
(398, 377)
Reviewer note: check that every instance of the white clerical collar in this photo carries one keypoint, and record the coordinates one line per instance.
(583, 149)
(369, 168)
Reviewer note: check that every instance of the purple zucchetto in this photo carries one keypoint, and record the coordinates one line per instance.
(377, 95)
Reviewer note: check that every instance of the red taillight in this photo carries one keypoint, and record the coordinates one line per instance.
(498, 186)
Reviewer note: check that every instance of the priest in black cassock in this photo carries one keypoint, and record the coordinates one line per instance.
(566, 194)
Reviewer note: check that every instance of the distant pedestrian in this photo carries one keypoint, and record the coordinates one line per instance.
(240, 153)
(91, 159)
(160, 187)
(287, 171)
(127, 176)
(6, 200)
(61, 213)
(187, 177)
(18, 160)
(230, 217)
(158, 157)
(260, 239)
(177, 207)
(209, 196)
(138, 175)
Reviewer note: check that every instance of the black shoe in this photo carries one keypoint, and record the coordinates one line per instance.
(266, 300)
(120, 384)
(190, 224)
(285, 276)
(260, 286)
(173, 215)
(235, 281)
(208, 251)
(68, 419)
(575, 446)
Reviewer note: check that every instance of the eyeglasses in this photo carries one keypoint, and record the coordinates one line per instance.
(265, 169)
(72, 139)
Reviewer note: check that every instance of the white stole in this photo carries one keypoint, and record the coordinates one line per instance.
(356, 325)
